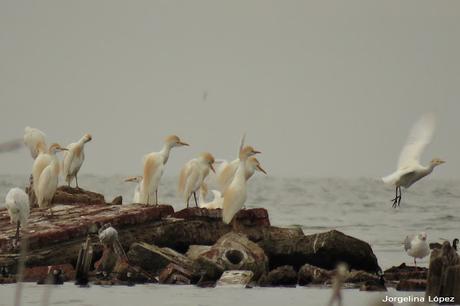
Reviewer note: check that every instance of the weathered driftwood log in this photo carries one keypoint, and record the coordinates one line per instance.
(444, 273)
(284, 276)
(70, 196)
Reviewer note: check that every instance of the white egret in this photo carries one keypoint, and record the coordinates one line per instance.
(409, 169)
(416, 246)
(34, 139)
(217, 201)
(137, 190)
(73, 159)
(193, 175)
(17, 204)
(227, 171)
(48, 179)
(235, 194)
(154, 164)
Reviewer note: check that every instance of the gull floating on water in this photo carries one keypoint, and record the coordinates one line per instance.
(409, 169)
(235, 194)
(137, 190)
(154, 164)
(48, 178)
(73, 159)
(193, 174)
(17, 204)
(416, 246)
(34, 139)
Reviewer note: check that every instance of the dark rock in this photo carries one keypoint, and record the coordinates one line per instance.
(403, 271)
(234, 251)
(195, 251)
(117, 200)
(245, 217)
(235, 279)
(324, 250)
(154, 259)
(284, 276)
(49, 274)
(309, 274)
(361, 277)
(411, 285)
(176, 275)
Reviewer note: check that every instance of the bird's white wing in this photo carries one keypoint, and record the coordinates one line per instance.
(34, 139)
(408, 242)
(419, 137)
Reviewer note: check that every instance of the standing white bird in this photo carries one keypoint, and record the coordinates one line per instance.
(137, 190)
(48, 179)
(416, 246)
(17, 204)
(235, 194)
(409, 168)
(34, 139)
(217, 201)
(154, 164)
(73, 159)
(193, 174)
(227, 171)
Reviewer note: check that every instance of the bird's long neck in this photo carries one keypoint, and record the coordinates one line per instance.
(165, 152)
(55, 163)
(82, 141)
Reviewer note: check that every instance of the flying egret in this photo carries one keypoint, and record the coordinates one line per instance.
(48, 179)
(154, 164)
(409, 169)
(235, 194)
(137, 190)
(193, 175)
(73, 159)
(34, 139)
(17, 204)
(416, 246)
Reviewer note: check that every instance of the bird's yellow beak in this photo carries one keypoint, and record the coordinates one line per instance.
(63, 149)
(256, 152)
(183, 143)
(130, 179)
(442, 161)
(261, 169)
(212, 168)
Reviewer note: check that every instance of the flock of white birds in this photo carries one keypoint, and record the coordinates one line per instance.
(231, 176)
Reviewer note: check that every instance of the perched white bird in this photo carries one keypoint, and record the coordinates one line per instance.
(235, 194)
(17, 204)
(154, 164)
(137, 190)
(48, 179)
(73, 159)
(227, 171)
(193, 175)
(217, 201)
(416, 246)
(409, 168)
(34, 139)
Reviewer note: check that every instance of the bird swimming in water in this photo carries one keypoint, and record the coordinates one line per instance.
(416, 246)
(227, 171)
(137, 190)
(217, 201)
(154, 164)
(48, 179)
(73, 159)
(17, 204)
(34, 139)
(235, 194)
(193, 174)
(409, 169)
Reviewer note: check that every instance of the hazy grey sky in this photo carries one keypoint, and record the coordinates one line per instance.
(323, 88)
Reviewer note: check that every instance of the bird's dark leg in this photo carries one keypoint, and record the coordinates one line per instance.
(17, 232)
(76, 182)
(400, 195)
(156, 196)
(395, 200)
(194, 196)
(188, 200)
(415, 263)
